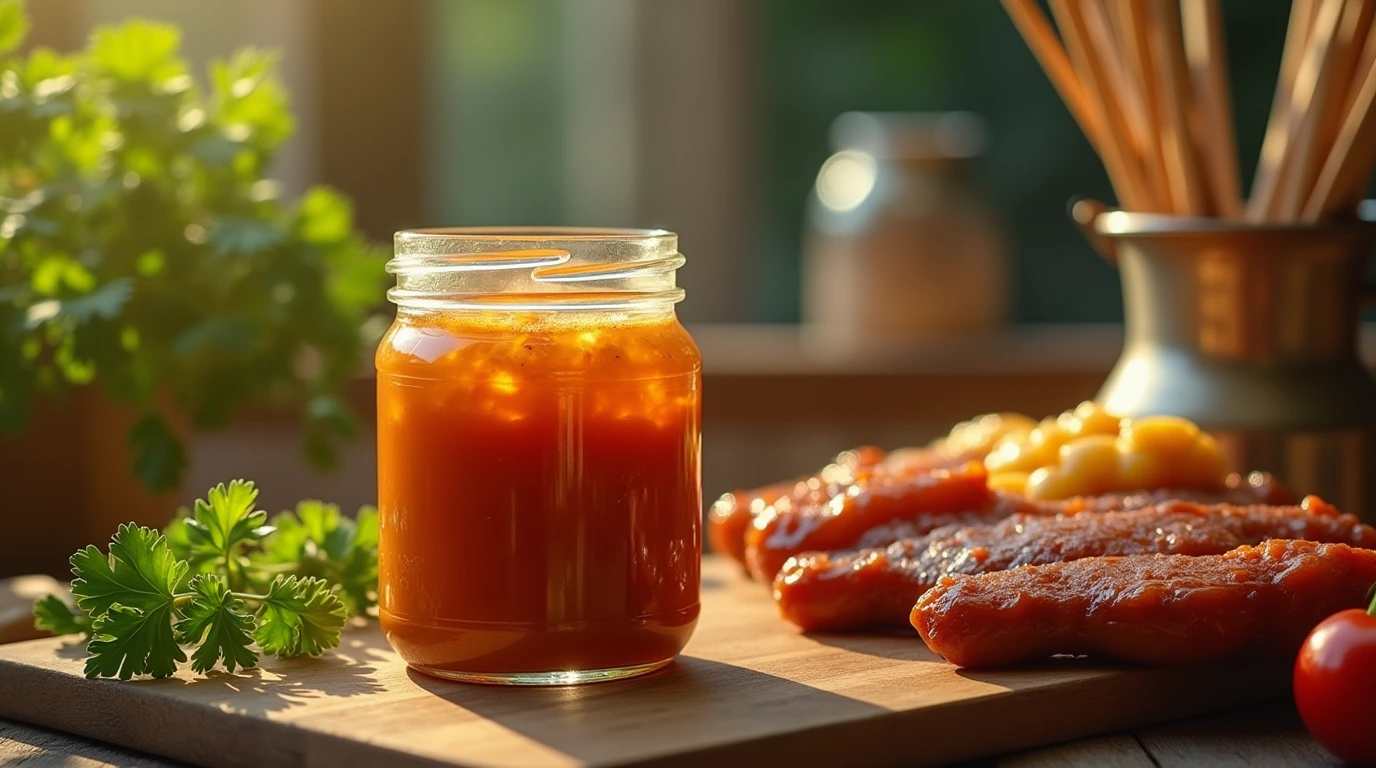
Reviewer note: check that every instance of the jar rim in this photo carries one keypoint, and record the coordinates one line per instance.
(558, 269)
(537, 234)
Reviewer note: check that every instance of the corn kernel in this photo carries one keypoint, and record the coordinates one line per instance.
(1204, 465)
(1009, 482)
(1090, 464)
(1087, 451)
(1048, 432)
(1141, 471)
(1019, 456)
(1091, 419)
(1164, 435)
(1048, 483)
(979, 435)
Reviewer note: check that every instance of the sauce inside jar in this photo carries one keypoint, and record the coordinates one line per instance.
(540, 493)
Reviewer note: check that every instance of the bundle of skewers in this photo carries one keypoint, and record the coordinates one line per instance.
(1147, 82)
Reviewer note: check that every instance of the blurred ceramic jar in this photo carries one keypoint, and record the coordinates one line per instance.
(898, 245)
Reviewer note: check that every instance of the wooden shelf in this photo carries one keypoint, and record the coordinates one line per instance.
(788, 350)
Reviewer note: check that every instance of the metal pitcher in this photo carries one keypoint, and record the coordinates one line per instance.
(1250, 331)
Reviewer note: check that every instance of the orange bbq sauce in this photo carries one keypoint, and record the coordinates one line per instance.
(539, 489)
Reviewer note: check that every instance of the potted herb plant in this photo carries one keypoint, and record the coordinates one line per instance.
(152, 280)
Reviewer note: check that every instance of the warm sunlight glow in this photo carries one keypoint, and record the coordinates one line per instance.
(845, 180)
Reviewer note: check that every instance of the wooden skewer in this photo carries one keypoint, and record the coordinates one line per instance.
(1182, 170)
(1313, 94)
(1120, 20)
(1273, 147)
(1364, 62)
(1353, 32)
(1117, 76)
(1147, 80)
(1348, 167)
(1135, 25)
(1204, 50)
(1122, 166)
(1041, 38)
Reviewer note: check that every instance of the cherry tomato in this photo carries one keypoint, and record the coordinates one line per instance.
(1335, 684)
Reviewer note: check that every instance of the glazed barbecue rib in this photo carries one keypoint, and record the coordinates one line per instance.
(1148, 609)
(888, 509)
(821, 591)
(936, 498)
(731, 515)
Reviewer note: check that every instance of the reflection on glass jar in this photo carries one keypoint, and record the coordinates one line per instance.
(898, 244)
(538, 456)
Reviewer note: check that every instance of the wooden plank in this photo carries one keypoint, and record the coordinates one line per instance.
(36, 747)
(1120, 750)
(748, 687)
(1258, 736)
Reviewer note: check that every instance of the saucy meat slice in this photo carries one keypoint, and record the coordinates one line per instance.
(925, 500)
(885, 508)
(877, 587)
(731, 515)
(1148, 609)
(1243, 490)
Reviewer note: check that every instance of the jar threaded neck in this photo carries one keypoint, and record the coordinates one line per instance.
(525, 269)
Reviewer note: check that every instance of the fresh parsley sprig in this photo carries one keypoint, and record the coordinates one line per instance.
(221, 581)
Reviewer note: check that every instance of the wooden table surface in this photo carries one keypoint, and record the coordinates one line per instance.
(1260, 736)
(748, 686)
(1268, 734)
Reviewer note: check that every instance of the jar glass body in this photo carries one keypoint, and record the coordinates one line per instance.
(538, 459)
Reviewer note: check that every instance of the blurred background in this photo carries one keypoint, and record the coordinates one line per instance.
(716, 119)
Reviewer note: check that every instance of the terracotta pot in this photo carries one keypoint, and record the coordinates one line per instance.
(69, 481)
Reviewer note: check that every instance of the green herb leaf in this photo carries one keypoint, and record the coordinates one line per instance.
(356, 570)
(14, 26)
(105, 302)
(52, 614)
(366, 531)
(142, 249)
(286, 544)
(227, 517)
(179, 541)
(140, 572)
(252, 102)
(326, 217)
(128, 641)
(153, 592)
(217, 335)
(213, 621)
(318, 541)
(243, 236)
(159, 456)
(299, 617)
(139, 51)
(221, 526)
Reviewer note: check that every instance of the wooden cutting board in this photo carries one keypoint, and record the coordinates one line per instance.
(749, 687)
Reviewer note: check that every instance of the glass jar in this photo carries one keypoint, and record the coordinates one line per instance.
(538, 456)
